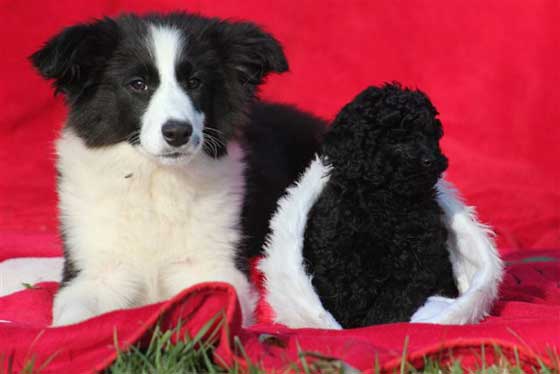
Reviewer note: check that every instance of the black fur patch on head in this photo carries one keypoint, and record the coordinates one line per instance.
(76, 57)
(93, 65)
(388, 135)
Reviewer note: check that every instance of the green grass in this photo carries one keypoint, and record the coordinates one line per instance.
(187, 355)
(167, 353)
(192, 356)
(195, 355)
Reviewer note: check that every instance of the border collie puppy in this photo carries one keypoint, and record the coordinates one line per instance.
(169, 169)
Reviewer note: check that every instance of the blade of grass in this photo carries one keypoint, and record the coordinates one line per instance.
(404, 354)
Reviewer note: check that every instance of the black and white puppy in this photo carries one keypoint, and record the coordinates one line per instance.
(168, 168)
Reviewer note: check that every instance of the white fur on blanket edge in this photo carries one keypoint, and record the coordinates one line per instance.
(290, 293)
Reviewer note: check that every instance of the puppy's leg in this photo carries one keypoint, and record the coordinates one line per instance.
(181, 276)
(87, 296)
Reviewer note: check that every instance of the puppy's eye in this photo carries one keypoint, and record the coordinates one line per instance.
(138, 85)
(193, 83)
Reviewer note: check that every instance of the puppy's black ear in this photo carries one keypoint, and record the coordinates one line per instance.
(72, 57)
(252, 52)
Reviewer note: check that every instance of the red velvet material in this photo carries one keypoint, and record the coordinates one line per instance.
(491, 68)
(525, 322)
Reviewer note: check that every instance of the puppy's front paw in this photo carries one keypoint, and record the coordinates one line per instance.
(71, 314)
(68, 310)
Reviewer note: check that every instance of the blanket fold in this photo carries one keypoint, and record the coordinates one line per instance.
(529, 329)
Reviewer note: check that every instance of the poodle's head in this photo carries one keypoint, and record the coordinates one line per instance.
(388, 137)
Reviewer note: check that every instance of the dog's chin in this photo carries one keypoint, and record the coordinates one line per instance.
(175, 158)
(178, 158)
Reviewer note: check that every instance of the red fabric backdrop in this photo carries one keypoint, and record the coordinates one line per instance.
(491, 68)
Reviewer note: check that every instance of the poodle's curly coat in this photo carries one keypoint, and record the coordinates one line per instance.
(375, 242)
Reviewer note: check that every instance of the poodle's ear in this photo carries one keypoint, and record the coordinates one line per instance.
(72, 57)
(252, 52)
(346, 148)
(351, 142)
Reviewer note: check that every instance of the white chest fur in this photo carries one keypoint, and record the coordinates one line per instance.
(141, 232)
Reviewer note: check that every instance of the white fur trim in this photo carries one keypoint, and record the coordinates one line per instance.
(476, 263)
(290, 293)
(289, 290)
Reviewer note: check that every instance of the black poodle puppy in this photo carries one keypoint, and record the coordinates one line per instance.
(375, 242)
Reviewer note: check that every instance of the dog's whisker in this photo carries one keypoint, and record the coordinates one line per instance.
(217, 139)
(213, 143)
(215, 148)
(214, 130)
(210, 146)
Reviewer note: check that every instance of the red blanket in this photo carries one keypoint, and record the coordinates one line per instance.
(490, 68)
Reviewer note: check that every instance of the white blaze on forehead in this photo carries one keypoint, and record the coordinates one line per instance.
(169, 101)
(165, 47)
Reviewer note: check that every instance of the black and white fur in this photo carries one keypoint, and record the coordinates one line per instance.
(317, 267)
(168, 168)
(288, 286)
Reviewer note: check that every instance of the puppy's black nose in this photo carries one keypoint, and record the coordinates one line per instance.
(176, 133)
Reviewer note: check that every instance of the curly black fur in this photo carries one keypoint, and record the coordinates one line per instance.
(375, 241)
